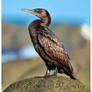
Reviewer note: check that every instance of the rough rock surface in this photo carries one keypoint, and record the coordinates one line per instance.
(50, 84)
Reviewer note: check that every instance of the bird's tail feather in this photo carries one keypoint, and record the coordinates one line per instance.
(74, 78)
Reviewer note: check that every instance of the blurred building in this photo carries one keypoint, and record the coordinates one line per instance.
(85, 32)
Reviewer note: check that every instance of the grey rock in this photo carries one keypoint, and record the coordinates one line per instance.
(50, 84)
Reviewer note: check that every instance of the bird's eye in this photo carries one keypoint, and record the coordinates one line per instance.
(37, 11)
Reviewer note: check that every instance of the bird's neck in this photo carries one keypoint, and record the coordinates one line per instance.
(46, 21)
(42, 21)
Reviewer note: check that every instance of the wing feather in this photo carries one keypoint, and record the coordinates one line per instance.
(54, 49)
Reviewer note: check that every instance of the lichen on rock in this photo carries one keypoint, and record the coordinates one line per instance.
(50, 84)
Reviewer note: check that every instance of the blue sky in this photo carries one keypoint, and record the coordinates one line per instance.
(70, 10)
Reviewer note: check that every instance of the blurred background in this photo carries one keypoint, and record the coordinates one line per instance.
(71, 24)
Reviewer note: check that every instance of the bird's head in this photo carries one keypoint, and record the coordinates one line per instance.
(39, 12)
(42, 14)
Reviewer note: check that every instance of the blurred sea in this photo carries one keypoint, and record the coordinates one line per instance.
(24, 52)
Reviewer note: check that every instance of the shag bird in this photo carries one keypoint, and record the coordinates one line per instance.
(47, 45)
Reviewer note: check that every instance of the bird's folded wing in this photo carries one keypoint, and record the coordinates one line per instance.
(54, 50)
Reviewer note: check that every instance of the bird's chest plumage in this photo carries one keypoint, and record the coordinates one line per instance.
(34, 37)
(34, 34)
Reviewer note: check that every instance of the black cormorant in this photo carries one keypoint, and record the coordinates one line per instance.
(46, 44)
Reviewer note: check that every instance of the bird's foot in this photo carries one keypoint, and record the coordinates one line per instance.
(47, 74)
(55, 72)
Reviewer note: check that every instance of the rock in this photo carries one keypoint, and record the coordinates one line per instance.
(26, 68)
(50, 84)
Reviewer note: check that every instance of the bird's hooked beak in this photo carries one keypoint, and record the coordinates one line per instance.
(30, 11)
